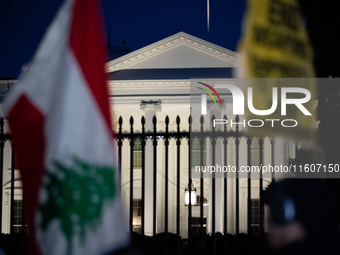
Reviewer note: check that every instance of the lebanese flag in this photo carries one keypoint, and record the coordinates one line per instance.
(60, 124)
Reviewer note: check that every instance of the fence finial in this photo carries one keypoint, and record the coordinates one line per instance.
(202, 120)
(237, 119)
(225, 125)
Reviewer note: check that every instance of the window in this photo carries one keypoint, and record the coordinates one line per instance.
(137, 154)
(137, 216)
(255, 216)
(196, 153)
(196, 225)
(17, 217)
(255, 153)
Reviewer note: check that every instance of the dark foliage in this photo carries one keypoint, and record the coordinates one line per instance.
(143, 245)
(322, 19)
(12, 244)
(243, 244)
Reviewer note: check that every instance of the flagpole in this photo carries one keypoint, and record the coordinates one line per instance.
(208, 18)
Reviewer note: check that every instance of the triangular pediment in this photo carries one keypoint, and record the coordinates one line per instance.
(178, 51)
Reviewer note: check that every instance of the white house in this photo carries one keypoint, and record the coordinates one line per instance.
(5, 86)
(155, 81)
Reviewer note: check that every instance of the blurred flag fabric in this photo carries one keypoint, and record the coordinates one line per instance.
(275, 45)
(60, 124)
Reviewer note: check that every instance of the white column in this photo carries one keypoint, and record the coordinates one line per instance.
(172, 187)
(150, 108)
(219, 188)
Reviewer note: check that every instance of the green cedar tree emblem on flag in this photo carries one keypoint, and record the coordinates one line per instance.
(75, 196)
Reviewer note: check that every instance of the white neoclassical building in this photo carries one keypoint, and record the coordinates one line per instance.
(7, 161)
(155, 81)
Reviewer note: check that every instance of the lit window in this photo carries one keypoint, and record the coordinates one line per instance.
(255, 153)
(137, 216)
(137, 154)
(255, 216)
(196, 153)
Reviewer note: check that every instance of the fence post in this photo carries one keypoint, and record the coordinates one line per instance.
(143, 141)
(189, 183)
(213, 143)
(154, 120)
(225, 220)
(120, 143)
(201, 182)
(261, 188)
(237, 143)
(166, 143)
(143, 176)
(2, 144)
(249, 186)
(131, 174)
(178, 144)
(272, 143)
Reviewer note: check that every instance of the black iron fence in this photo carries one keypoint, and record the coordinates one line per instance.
(224, 135)
(188, 136)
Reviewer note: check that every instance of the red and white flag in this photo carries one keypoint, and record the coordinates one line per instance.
(60, 125)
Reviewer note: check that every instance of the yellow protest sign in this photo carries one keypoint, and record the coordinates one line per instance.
(275, 44)
(275, 41)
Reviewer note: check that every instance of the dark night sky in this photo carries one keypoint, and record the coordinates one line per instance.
(140, 23)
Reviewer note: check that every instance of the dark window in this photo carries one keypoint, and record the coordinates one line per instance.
(17, 217)
(196, 225)
(255, 216)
